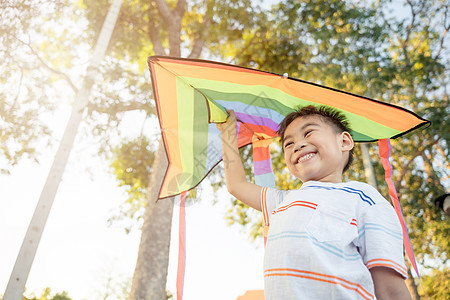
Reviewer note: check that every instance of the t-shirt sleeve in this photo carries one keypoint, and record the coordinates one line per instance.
(270, 198)
(381, 237)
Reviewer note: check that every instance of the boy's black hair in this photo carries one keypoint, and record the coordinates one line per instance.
(332, 116)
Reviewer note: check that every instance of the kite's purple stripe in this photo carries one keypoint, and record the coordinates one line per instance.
(263, 166)
(257, 120)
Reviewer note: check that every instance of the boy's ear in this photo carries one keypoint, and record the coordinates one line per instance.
(347, 141)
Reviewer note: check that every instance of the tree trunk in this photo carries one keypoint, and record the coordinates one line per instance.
(150, 275)
(411, 285)
(368, 168)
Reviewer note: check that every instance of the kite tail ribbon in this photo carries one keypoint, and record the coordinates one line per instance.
(181, 247)
(385, 150)
(262, 167)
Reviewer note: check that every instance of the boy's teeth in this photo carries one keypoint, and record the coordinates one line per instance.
(307, 156)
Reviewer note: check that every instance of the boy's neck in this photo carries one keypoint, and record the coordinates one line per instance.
(331, 180)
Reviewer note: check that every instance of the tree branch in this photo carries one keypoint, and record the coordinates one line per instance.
(45, 65)
(405, 167)
(173, 22)
(120, 108)
(242, 50)
(446, 29)
(199, 41)
(430, 171)
(154, 31)
(164, 11)
(180, 8)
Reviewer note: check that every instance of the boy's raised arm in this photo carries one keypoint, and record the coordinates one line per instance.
(237, 183)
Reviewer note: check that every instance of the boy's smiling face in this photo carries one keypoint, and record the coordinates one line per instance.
(313, 150)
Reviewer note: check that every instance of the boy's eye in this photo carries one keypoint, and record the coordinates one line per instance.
(308, 132)
(288, 144)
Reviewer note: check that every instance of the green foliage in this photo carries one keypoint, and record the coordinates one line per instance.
(436, 284)
(131, 163)
(47, 295)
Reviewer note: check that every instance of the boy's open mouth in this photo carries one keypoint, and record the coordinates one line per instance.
(306, 157)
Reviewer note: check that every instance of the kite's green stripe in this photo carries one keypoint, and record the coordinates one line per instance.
(256, 90)
(251, 99)
(185, 109)
(359, 137)
(192, 113)
(201, 128)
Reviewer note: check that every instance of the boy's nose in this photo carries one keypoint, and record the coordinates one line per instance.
(299, 146)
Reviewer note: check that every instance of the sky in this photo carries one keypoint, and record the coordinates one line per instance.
(83, 255)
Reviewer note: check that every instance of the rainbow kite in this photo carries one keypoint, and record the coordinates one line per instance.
(192, 95)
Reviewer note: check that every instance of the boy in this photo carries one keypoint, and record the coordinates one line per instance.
(329, 239)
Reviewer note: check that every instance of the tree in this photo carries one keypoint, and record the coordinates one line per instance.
(25, 91)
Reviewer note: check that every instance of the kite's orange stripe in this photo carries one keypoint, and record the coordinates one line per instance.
(388, 116)
(168, 111)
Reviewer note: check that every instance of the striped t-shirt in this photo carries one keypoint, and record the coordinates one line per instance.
(324, 238)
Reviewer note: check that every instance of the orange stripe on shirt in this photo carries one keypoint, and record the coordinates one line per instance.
(388, 266)
(356, 287)
(402, 271)
(296, 203)
(264, 205)
(372, 263)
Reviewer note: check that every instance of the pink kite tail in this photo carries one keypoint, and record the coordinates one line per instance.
(385, 150)
(181, 247)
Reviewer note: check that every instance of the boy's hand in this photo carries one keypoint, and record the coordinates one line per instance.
(229, 124)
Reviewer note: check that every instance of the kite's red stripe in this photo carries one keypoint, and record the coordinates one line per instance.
(214, 66)
(261, 153)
